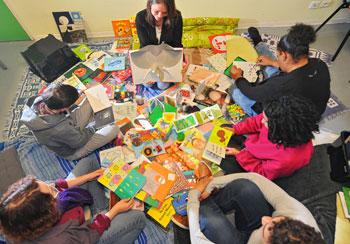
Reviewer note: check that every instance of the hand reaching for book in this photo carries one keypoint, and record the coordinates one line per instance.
(236, 72)
(122, 206)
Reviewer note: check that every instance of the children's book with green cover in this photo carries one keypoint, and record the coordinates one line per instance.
(82, 51)
(346, 191)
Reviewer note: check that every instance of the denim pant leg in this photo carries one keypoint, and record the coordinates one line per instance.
(163, 85)
(263, 49)
(250, 205)
(216, 226)
(242, 100)
(125, 228)
(85, 166)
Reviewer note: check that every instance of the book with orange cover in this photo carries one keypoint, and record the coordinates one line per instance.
(121, 28)
(159, 181)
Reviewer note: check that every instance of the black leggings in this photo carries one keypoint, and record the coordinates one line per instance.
(229, 164)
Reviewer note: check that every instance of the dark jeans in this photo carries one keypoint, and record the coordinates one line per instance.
(229, 164)
(249, 204)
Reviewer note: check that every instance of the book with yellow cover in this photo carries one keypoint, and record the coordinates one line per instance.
(164, 214)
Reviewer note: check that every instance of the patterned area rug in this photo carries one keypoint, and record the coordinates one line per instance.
(31, 84)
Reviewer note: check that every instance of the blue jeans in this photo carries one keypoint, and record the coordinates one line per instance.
(242, 196)
(242, 100)
(125, 227)
(159, 85)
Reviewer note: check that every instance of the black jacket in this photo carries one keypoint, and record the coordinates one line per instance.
(311, 81)
(147, 33)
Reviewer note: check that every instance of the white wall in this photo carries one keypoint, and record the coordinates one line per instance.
(36, 15)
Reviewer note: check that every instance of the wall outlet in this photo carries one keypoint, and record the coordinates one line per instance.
(314, 4)
(325, 3)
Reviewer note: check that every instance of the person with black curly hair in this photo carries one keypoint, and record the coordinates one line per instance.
(279, 140)
(299, 75)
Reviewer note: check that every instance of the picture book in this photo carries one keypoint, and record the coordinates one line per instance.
(148, 143)
(80, 71)
(217, 142)
(121, 28)
(193, 67)
(184, 160)
(218, 61)
(104, 117)
(148, 199)
(120, 178)
(164, 127)
(122, 110)
(208, 114)
(212, 157)
(210, 96)
(250, 70)
(194, 143)
(99, 75)
(98, 98)
(122, 75)
(123, 96)
(218, 42)
(82, 51)
(70, 26)
(201, 74)
(164, 214)
(181, 182)
(238, 46)
(109, 89)
(121, 44)
(76, 83)
(185, 123)
(114, 63)
(96, 60)
(180, 202)
(118, 153)
(124, 125)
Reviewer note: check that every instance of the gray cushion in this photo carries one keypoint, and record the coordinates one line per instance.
(11, 169)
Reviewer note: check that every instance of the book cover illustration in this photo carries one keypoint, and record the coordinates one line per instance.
(217, 142)
(148, 143)
(210, 97)
(180, 202)
(76, 83)
(71, 26)
(122, 110)
(120, 178)
(250, 70)
(80, 71)
(121, 45)
(181, 182)
(194, 143)
(121, 28)
(99, 75)
(109, 89)
(82, 51)
(98, 98)
(185, 123)
(114, 63)
(164, 214)
(122, 75)
(96, 60)
(114, 154)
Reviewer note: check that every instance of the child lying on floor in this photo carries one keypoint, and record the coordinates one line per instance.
(278, 140)
(32, 211)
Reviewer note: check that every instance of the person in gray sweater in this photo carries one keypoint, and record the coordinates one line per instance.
(263, 212)
(64, 128)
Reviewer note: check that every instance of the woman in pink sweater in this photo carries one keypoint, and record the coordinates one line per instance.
(278, 140)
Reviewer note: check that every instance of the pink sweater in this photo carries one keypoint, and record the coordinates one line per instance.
(266, 158)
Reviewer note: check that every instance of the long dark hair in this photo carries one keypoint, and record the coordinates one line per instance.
(25, 212)
(171, 8)
(291, 120)
(297, 41)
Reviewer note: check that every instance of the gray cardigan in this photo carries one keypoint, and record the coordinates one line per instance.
(283, 204)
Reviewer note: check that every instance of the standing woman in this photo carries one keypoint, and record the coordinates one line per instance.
(159, 22)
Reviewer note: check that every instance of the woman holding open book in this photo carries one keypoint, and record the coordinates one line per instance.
(32, 211)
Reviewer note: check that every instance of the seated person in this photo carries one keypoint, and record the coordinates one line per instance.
(67, 133)
(264, 213)
(279, 140)
(300, 75)
(159, 22)
(32, 211)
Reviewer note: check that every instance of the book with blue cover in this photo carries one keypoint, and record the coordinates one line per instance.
(114, 63)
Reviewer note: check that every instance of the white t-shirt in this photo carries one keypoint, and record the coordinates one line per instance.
(158, 33)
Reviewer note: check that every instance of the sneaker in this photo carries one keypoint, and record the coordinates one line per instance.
(254, 35)
(181, 221)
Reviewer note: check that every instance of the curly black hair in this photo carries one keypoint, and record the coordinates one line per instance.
(291, 231)
(297, 41)
(291, 120)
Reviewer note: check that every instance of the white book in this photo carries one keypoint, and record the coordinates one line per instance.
(98, 98)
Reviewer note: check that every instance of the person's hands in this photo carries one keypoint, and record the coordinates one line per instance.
(266, 61)
(95, 174)
(124, 205)
(236, 72)
(228, 127)
(231, 151)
